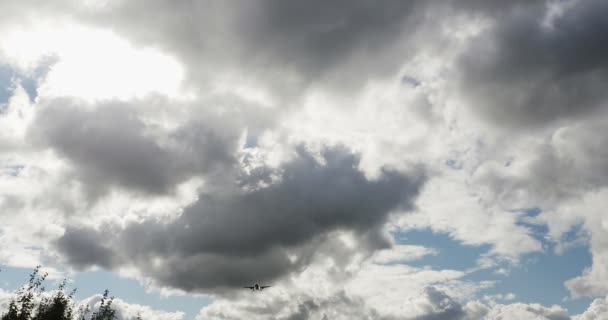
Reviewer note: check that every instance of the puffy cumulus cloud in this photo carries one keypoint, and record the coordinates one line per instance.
(561, 172)
(597, 310)
(479, 220)
(437, 305)
(130, 311)
(537, 64)
(527, 311)
(263, 230)
(302, 299)
(338, 306)
(401, 290)
(592, 282)
(433, 305)
(112, 144)
(383, 289)
(563, 163)
(151, 144)
(430, 304)
(67, 158)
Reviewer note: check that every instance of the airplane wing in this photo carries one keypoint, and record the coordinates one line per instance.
(264, 287)
(249, 288)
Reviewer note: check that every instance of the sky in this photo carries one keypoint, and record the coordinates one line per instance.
(415, 160)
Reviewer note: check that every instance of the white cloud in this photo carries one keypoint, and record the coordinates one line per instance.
(463, 212)
(598, 310)
(15, 119)
(521, 311)
(593, 280)
(402, 253)
(92, 64)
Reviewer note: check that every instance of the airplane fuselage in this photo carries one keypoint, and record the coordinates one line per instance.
(257, 287)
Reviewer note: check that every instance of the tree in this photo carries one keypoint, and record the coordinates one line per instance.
(31, 304)
(21, 308)
(57, 307)
(105, 311)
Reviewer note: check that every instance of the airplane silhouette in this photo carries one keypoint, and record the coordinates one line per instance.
(257, 287)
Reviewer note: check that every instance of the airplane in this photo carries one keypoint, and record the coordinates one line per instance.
(257, 287)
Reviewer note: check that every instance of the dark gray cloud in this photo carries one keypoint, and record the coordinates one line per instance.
(315, 37)
(107, 145)
(111, 143)
(86, 246)
(232, 237)
(523, 71)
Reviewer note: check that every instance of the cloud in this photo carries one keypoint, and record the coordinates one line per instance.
(527, 311)
(530, 68)
(431, 304)
(107, 145)
(316, 43)
(402, 253)
(597, 310)
(562, 173)
(439, 306)
(285, 307)
(129, 145)
(480, 219)
(262, 234)
(129, 311)
(284, 49)
(202, 172)
(592, 281)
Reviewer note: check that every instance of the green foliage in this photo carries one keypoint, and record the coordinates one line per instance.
(30, 304)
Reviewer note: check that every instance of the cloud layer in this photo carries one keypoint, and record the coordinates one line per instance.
(203, 146)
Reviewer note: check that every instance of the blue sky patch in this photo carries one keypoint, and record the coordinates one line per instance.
(539, 279)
